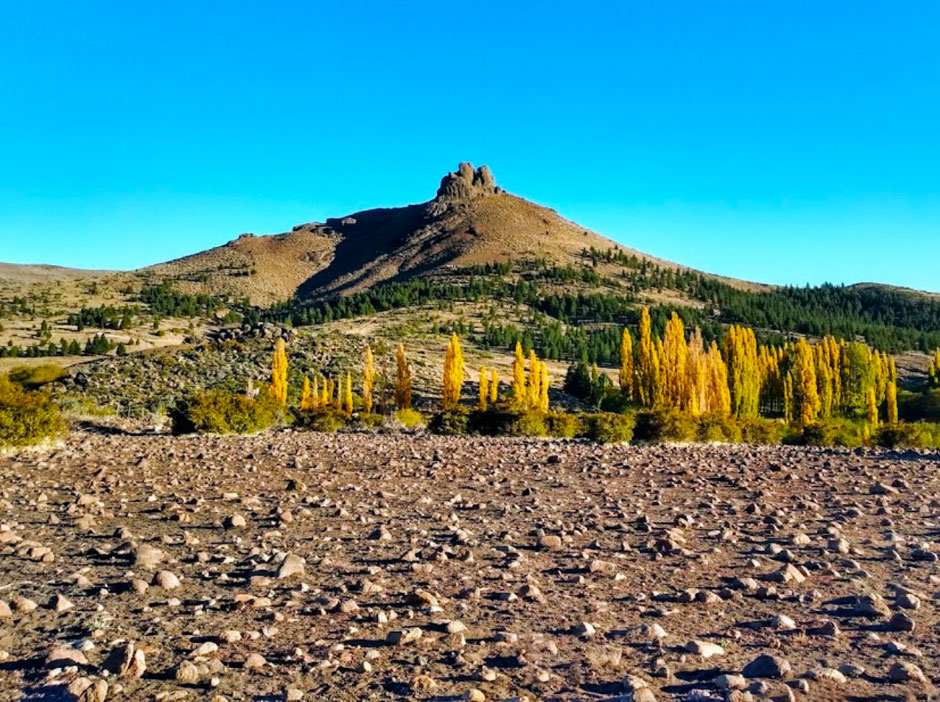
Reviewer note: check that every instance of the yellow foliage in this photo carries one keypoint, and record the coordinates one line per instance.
(484, 389)
(279, 372)
(453, 373)
(347, 395)
(402, 380)
(368, 380)
(518, 378)
(891, 402)
(494, 386)
(543, 387)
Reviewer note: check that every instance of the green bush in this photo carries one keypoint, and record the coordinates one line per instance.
(371, 420)
(32, 377)
(718, 427)
(665, 425)
(409, 418)
(328, 420)
(757, 430)
(26, 417)
(907, 435)
(608, 427)
(616, 401)
(829, 432)
(223, 412)
(562, 424)
(499, 421)
(452, 422)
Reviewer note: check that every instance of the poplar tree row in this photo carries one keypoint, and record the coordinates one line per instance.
(326, 394)
(801, 381)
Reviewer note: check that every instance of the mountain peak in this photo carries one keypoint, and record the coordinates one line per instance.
(466, 183)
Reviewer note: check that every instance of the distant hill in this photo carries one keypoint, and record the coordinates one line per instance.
(489, 263)
(470, 221)
(25, 274)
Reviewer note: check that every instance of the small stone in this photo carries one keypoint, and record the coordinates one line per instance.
(901, 622)
(235, 521)
(767, 666)
(705, 649)
(401, 637)
(903, 671)
(59, 603)
(187, 673)
(585, 630)
(255, 661)
(166, 580)
(126, 661)
(291, 565)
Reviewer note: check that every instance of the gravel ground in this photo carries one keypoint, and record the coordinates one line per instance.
(296, 565)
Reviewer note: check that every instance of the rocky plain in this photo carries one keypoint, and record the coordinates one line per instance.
(304, 566)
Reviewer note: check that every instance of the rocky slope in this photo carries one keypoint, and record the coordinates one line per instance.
(470, 220)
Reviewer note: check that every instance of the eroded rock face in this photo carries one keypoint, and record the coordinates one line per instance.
(466, 183)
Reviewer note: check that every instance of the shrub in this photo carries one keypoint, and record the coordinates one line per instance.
(757, 430)
(608, 427)
(562, 424)
(829, 432)
(36, 376)
(409, 418)
(907, 435)
(223, 412)
(665, 425)
(718, 427)
(26, 417)
(454, 421)
(329, 421)
(371, 420)
(498, 421)
(616, 401)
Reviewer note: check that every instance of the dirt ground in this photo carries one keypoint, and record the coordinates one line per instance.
(294, 565)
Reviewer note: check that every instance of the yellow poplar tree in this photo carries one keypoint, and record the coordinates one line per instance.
(626, 363)
(494, 386)
(805, 384)
(933, 371)
(871, 408)
(484, 389)
(305, 395)
(279, 372)
(646, 372)
(453, 373)
(402, 380)
(740, 353)
(347, 395)
(891, 402)
(518, 378)
(543, 387)
(368, 380)
(696, 385)
(673, 368)
(535, 379)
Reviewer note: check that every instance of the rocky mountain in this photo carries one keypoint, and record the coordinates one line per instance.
(471, 220)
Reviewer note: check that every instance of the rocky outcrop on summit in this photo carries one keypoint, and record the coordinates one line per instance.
(466, 183)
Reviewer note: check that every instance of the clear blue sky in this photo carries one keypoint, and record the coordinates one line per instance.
(787, 142)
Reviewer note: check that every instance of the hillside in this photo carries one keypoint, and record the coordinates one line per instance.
(475, 259)
(470, 221)
(26, 274)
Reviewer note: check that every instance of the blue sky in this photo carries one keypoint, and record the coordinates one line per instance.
(787, 142)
